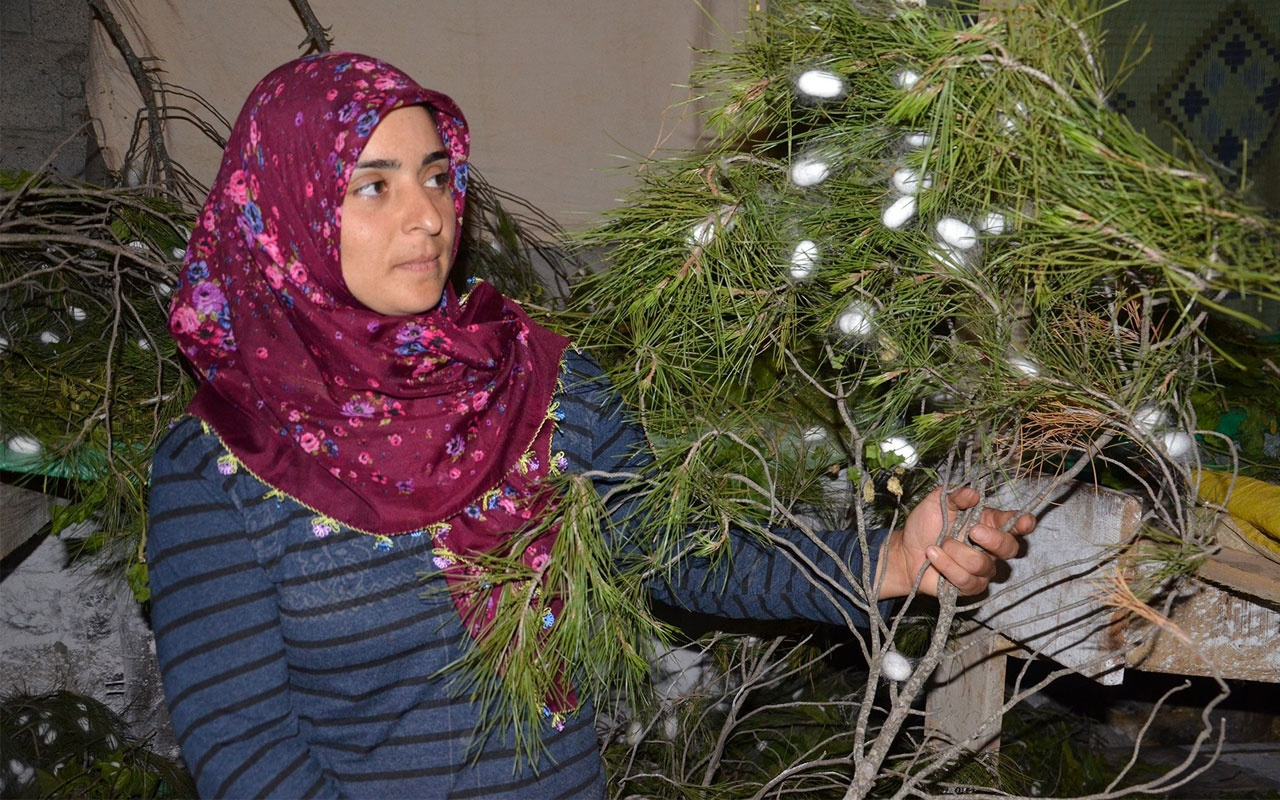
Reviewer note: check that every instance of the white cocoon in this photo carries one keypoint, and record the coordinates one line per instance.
(906, 78)
(23, 445)
(993, 223)
(804, 258)
(1149, 418)
(1177, 443)
(1025, 365)
(909, 181)
(855, 320)
(902, 448)
(947, 256)
(917, 139)
(820, 84)
(899, 212)
(703, 232)
(896, 666)
(809, 172)
(957, 234)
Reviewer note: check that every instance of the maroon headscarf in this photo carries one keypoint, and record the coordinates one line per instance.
(436, 423)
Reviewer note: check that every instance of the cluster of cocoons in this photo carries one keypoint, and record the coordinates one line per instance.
(1153, 422)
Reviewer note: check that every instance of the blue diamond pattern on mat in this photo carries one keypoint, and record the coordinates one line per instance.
(1226, 97)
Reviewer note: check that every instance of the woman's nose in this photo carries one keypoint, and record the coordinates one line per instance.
(422, 213)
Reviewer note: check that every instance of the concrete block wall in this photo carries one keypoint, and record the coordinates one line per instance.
(43, 57)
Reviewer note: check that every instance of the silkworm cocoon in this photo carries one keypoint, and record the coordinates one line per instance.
(1150, 418)
(77, 314)
(820, 84)
(804, 259)
(909, 181)
(896, 666)
(1177, 443)
(855, 320)
(809, 172)
(993, 223)
(23, 445)
(956, 234)
(899, 212)
(1025, 365)
(49, 337)
(948, 256)
(703, 232)
(900, 447)
(905, 79)
(917, 139)
(815, 435)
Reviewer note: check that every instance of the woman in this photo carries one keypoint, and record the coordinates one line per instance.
(358, 426)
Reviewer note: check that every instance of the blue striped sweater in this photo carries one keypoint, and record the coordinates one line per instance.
(302, 666)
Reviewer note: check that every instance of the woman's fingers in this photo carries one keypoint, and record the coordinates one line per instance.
(994, 540)
(966, 568)
(996, 518)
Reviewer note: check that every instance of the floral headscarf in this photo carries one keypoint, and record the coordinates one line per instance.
(433, 423)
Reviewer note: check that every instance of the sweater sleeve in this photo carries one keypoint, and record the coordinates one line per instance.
(793, 578)
(218, 636)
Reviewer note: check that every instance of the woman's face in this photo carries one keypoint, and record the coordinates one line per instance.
(398, 223)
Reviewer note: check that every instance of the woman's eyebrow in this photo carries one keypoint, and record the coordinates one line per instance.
(392, 163)
(378, 163)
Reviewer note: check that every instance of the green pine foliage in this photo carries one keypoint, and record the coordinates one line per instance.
(64, 745)
(91, 378)
(926, 224)
(920, 248)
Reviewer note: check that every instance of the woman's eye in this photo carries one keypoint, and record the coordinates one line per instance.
(439, 180)
(370, 189)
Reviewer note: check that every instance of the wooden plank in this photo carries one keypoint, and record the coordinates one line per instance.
(1227, 622)
(1225, 634)
(1048, 603)
(1245, 573)
(1044, 605)
(966, 693)
(22, 514)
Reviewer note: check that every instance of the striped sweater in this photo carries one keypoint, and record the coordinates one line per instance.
(304, 666)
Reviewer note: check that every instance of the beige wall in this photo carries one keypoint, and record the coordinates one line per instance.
(559, 94)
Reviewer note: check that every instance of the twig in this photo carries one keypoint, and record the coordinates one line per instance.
(141, 78)
(318, 39)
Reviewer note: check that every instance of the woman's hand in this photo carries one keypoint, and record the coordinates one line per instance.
(966, 566)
